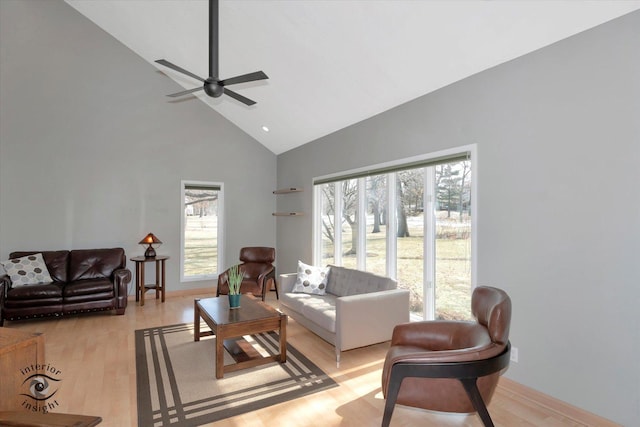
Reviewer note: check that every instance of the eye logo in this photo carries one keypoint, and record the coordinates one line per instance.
(40, 387)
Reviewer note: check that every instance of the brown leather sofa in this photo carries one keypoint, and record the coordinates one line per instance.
(259, 272)
(83, 280)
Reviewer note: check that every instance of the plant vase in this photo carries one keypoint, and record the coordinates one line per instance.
(234, 301)
(234, 279)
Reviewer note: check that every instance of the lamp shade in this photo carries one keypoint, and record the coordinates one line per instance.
(150, 240)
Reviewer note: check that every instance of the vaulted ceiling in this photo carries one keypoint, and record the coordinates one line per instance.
(334, 63)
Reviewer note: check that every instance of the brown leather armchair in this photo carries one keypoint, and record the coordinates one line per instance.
(258, 269)
(450, 366)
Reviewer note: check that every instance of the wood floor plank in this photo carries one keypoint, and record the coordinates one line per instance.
(96, 356)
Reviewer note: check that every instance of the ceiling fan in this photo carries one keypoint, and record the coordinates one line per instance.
(212, 85)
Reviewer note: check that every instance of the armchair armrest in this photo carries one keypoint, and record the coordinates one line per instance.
(223, 277)
(5, 284)
(441, 341)
(264, 275)
(439, 335)
(405, 354)
(264, 280)
(369, 318)
(223, 282)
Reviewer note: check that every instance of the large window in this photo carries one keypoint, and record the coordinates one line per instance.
(201, 230)
(409, 221)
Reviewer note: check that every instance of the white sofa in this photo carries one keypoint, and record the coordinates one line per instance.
(358, 309)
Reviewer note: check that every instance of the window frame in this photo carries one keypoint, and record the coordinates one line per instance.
(429, 160)
(219, 186)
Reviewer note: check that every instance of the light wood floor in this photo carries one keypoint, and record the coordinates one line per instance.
(96, 356)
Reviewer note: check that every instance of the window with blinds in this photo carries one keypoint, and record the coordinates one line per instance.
(201, 229)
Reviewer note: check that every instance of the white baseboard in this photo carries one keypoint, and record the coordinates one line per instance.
(569, 411)
(184, 292)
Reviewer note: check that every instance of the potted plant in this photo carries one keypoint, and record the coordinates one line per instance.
(235, 280)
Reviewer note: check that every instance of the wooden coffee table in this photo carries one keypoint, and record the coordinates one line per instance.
(252, 317)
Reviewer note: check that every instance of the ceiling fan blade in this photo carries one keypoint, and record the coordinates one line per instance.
(179, 69)
(185, 92)
(239, 97)
(213, 38)
(258, 75)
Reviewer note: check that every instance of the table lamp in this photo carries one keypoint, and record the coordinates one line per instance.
(150, 240)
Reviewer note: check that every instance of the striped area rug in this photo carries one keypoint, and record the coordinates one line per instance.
(176, 381)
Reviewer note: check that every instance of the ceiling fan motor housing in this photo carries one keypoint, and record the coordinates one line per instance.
(212, 88)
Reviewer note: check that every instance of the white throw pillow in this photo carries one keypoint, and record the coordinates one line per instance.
(28, 270)
(311, 280)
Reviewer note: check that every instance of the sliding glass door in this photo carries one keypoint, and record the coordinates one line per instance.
(411, 224)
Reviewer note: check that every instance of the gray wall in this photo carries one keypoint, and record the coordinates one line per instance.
(558, 137)
(92, 154)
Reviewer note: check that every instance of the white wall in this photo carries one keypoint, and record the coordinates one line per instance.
(92, 154)
(558, 135)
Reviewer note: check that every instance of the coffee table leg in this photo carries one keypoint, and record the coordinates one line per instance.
(283, 338)
(196, 320)
(219, 355)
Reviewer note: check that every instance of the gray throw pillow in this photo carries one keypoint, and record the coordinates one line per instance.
(28, 270)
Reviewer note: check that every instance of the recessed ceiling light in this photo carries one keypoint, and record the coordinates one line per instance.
(264, 128)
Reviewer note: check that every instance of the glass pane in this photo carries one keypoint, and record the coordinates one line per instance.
(200, 232)
(327, 216)
(453, 241)
(349, 222)
(376, 224)
(410, 236)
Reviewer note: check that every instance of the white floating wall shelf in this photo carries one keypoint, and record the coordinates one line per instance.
(288, 190)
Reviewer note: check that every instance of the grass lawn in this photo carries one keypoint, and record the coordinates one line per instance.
(201, 246)
(453, 264)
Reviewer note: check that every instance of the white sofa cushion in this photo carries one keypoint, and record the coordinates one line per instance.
(295, 301)
(321, 310)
